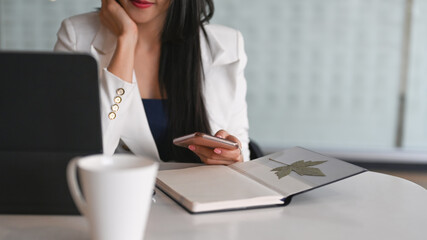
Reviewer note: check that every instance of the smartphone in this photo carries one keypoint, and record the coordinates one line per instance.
(206, 140)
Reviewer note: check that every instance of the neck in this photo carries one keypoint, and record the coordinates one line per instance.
(150, 33)
(149, 37)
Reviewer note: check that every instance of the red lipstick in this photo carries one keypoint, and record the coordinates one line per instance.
(141, 3)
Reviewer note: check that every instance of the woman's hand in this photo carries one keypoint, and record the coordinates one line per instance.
(219, 155)
(115, 18)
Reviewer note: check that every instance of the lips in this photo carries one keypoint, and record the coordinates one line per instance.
(142, 3)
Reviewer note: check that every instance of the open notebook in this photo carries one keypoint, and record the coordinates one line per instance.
(266, 181)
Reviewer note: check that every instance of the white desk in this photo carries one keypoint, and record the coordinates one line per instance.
(366, 206)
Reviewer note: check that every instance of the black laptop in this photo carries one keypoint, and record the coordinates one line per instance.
(49, 113)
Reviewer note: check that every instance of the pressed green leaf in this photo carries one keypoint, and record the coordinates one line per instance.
(282, 171)
(299, 163)
(276, 169)
(311, 163)
(308, 171)
(301, 167)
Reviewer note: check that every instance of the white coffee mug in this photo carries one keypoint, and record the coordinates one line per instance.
(117, 192)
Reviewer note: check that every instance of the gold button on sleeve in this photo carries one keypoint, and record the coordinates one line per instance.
(120, 91)
(117, 99)
(112, 115)
(115, 108)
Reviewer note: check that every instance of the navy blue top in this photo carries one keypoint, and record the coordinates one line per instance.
(157, 117)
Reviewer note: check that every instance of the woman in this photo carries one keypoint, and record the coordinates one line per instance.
(164, 74)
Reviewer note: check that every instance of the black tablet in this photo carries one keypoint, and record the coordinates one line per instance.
(49, 113)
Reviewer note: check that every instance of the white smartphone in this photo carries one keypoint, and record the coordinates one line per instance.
(206, 140)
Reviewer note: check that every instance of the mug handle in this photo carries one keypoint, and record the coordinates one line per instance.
(75, 191)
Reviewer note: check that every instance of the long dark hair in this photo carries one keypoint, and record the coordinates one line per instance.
(181, 70)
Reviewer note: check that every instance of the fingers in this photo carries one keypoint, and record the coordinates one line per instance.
(225, 135)
(203, 152)
(216, 162)
(106, 2)
(215, 154)
(115, 18)
(233, 155)
(222, 134)
(219, 155)
(104, 13)
(108, 5)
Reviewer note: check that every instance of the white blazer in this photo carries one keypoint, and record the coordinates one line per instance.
(224, 88)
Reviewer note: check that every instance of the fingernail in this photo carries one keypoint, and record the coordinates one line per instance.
(191, 147)
(220, 136)
(217, 151)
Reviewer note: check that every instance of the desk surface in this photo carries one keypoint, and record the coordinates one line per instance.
(367, 206)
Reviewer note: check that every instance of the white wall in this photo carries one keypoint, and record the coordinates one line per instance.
(32, 24)
(327, 73)
(321, 73)
(415, 134)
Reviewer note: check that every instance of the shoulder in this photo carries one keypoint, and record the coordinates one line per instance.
(78, 32)
(225, 44)
(221, 32)
(223, 35)
(85, 23)
(85, 19)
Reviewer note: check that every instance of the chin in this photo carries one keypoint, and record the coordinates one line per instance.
(139, 19)
(144, 15)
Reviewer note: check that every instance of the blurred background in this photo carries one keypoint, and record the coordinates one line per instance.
(347, 78)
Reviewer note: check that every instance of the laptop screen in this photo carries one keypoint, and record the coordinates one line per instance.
(50, 113)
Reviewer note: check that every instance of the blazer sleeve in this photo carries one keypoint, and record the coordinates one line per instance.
(239, 123)
(115, 93)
